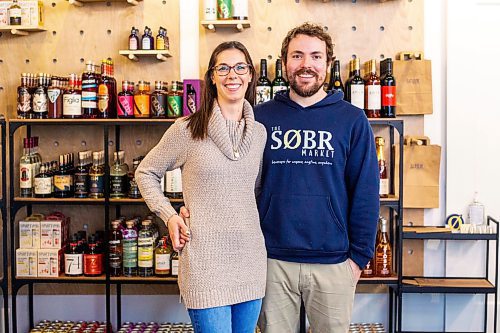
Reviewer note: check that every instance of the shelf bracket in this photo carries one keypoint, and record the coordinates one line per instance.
(133, 57)
(239, 26)
(161, 57)
(133, 2)
(75, 3)
(19, 32)
(211, 27)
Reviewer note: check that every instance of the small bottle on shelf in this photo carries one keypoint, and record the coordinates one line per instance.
(24, 110)
(89, 91)
(372, 91)
(263, 84)
(382, 167)
(55, 102)
(96, 173)
(163, 253)
(240, 9)
(145, 250)
(129, 249)
(158, 101)
(160, 39)
(388, 84)
(335, 79)
(92, 258)
(43, 183)
(133, 39)
(279, 82)
(357, 86)
(40, 99)
(82, 178)
(73, 258)
(26, 170)
(125, 100)
(142, 101)
(63, 181)
(119, 176)
(174, 264)
(115, 249)
(383, 251)
(224, 9)
(133, 191)
(191, 99)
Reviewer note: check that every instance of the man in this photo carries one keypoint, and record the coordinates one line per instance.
(319, 195)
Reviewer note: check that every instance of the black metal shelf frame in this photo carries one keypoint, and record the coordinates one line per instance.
(18, 203)
(4, 282)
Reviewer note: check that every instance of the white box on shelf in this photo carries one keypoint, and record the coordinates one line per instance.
(29, 234)
(49, 262)
(51, 234)
(26, 262)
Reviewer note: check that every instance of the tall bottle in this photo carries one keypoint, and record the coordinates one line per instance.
(96, 173)
(382, 167)
(125, 100)
(173, 184)
(163, 253)
(264, 85)
(55, 102)
(89, 91)
(372, 92)
(14, 11)
(192, 102)
(112, 88)
(129, 249)
(82, 178)
(335, 79)
(347, 86)
(388, 83)
(115, 249)
(104, 88)
(73, 258)
(92, 258)
(142, 101)
(145, 250)
(175, 100)
(26, 170)
(24, 98)
(119, 176)
(72, 99)
(279, 82)
(40, 99)
(174, 264)
(383, 251)
(357, 87)
(159, 101)
(133, 39)
(133, 190)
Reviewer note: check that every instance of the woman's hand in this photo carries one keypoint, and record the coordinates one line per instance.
(178, 231)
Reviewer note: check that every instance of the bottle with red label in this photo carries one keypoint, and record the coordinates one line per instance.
(388, 84)
(125, 100)
(92, 258)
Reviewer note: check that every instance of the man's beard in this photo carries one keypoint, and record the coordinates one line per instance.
(305, 91)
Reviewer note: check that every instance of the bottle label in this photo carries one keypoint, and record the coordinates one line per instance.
(40, 101)
(103, 99)
(23, 101)
(89, 99)
(14, 12)
(240, 8)
(278, 88)
(72, 105)
(358, 95)
(210, 10)
(92, 264)
(160, 43)
(384, 187)
(174, 181)
(175, 267)
(115, 254)
(119, 185)
(43, 185)
(373, 97)
(224, 9)
(73, 264)
(96, 186)
(81, 184)
(145, 252)
(126, 106)
(53, 94)
(263, 94)
(132, 43)
(158, 105)
(388, 95)
(383, 261)
(162, 262)
(191, 103)
(146, 44)
(62, 183)
(174, 106)
(141, 106)
(26, 175)
(130, 253)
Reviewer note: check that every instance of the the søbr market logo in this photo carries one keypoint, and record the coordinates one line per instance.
(311, 143)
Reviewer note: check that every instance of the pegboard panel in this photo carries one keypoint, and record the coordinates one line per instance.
(92, 32)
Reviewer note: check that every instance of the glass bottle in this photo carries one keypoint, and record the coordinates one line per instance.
(43, 183)
(224, 9)
(146, 41)
(388, 84)
(112, 88)
(163, 253)
(26, 168)
(133, 39)
(160, 39)
(72, 99)
(96, 173)
(158, 101)
(73, 258)
(62, 179)
(141, 101)
(14, 13)
(104, 92)
(382, 167)
(175, 100)
(279, 82)
(263, 84)
(357, 87)
(383, 251)
(54, 94)
(173, 184)
(145, 250)
(82, 178)
(129, 249)
(133, 191)
(125, 100)
(92, 258)
(372, 92)
(210, 10)
(119, 176)
(335, 79)
(191, 99)
(174, 264)
(115, 249)
(89, 91)
(24, 110)
(40, 99)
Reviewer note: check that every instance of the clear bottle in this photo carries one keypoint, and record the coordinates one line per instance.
(96, 174)
(119, 176)
(382, 167)
(163, 253)
(26, 171)
(24, 110)
(263, 84)
(383, 251)
(73, 258)
(476, 211)
(115, 249)
(129, 249)
(145, 250)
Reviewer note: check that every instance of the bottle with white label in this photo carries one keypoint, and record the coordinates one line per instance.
(72, 99)
(174, 264)
(73, 258)
(26, 168)
(357, 87)
(163, 253)
(240, 9)
(373, 95)
(43, 183)
(210, 10)
(14, 13)
(382, 167)
(145, 250)
(173, 184)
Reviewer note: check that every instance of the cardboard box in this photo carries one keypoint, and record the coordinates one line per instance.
(51, 234)
(31, 12)
(49, 262)
(4, 16)
(198, 86)
(26, 262)
(29, 234)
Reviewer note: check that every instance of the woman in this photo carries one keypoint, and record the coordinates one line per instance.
(222, 269)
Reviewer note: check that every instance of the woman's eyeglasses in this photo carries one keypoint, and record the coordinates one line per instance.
(223, 69)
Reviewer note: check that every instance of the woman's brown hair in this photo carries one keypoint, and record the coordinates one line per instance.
(198, 121)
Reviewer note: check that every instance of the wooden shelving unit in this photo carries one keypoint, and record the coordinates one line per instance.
(134, 55)
(21, 30)
(239, 25)
(80, 3)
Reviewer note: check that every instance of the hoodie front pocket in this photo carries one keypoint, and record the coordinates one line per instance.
(304, 223)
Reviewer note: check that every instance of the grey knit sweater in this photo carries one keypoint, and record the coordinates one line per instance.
(225, 261)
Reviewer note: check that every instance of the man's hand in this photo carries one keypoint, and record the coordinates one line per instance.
(355, 270)
(178, 231)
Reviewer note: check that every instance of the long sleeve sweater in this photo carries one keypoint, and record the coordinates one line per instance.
(225, 261)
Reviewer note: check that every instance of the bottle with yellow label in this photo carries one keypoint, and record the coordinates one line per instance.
(142, 101)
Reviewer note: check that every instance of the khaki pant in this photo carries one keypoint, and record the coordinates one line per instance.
(326, 289)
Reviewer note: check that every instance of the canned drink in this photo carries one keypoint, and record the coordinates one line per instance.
(224, 9)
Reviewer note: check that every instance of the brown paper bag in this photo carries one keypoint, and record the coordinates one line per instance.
(414, 84)
(421, 163)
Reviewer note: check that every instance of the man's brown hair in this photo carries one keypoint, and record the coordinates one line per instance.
(312, 30)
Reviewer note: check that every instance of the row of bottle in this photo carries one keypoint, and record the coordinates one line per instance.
(152, 327)
(267, 89)
(53, 326)
(225, 10)
(147, 41)
(381, 264)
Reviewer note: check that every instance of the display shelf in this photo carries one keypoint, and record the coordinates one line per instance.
(143, 280)
(392, 280)
(4, 276)
(127, 201)
(455, 285)
(80, 3)
(239, 25)
(134, 55)
(21, 30)
(60, 201)
(446, 234)
(62, 279)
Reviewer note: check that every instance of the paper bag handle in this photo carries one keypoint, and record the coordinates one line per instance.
(417, 140)
(408, 55)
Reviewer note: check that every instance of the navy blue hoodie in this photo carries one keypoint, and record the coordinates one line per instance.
(319, 196)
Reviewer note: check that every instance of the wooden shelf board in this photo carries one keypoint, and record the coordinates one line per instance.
(92, 121)
(21, 30)
(64, 278)
(58, 200)
(137, 201)
(239, 25)
(145, 280)
(136, 54)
